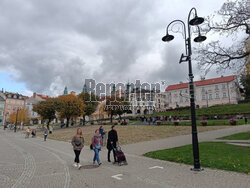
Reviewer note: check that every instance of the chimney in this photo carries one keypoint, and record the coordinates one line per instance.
(202, 78)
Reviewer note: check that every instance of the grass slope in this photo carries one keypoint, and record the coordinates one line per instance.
(215, 110)
(212, 154)
(238, 136)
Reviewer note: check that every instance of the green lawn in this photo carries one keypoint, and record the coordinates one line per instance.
(212, 154)
(239, 136)
(233, 109)
(210, 122)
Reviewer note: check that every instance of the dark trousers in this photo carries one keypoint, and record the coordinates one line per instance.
(45, 137)
(77, 154)
(113, 154)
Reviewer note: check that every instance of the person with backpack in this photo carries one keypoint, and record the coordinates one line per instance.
(111, 143)
(77, 143)
(97, 143)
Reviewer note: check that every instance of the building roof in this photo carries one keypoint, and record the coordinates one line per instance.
(43, 96)
(10, 95)
(211, 81)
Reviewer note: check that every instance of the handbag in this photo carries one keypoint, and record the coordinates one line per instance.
(78, 144)
(91, 147)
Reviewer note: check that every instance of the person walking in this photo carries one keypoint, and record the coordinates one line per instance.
(97, 143)
(245, 118)
(27, 132)
(111, 143)
(77, 143)
(45, 134)
(102, 132)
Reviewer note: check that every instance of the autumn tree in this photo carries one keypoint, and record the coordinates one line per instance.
(46, 109)
(69, 106)
(231, 20)
(22, 116)
(91, 103)
(245, 82)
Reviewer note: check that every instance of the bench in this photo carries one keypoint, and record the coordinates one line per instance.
(224, 123)
(158, 122)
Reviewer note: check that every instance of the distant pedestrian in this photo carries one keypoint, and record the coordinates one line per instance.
(97, 143)
(45, 133)
(27, 132)
(77, 143)
(102, 132)
(112, 141)
(50, 129)
(245, 118)
(33, 133)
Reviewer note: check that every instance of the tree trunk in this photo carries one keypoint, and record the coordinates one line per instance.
(67, 123)
(48, 124)
(84, 119)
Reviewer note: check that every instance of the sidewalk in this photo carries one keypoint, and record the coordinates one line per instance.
(35, 163)
(171, 142)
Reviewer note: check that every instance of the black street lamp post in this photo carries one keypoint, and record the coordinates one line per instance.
(187, 57)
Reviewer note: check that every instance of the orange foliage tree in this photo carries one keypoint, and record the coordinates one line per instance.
(69, 106)
(22, 116)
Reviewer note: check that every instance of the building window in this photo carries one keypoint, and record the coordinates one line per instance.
(216, 87)
(9, 102)
(203, 97)
(210, 96)
(224, 95)
(203, 89)
(217, 96)
(223, 86)
(181, 99)
(9, 107)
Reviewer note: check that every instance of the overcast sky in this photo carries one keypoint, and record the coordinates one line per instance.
(46, 45)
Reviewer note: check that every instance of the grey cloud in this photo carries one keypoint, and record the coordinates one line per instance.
(51, 44)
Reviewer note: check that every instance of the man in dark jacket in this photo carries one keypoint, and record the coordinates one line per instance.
(111, 143)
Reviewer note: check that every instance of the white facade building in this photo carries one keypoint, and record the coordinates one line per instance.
(210, 92)
(35, 118)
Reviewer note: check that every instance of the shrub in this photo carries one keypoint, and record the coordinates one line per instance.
(176, 122)
(233, 121)
(203, 123)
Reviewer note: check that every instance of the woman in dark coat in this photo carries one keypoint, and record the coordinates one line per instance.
(111, 143)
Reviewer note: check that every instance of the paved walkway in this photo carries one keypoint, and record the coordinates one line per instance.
(144, 147)
(34, 163)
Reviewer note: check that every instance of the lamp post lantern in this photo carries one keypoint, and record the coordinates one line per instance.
(187, 57)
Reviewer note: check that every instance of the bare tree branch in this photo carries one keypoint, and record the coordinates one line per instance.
(234, 18)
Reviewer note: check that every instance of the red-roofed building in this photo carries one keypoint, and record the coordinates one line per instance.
(210, 92)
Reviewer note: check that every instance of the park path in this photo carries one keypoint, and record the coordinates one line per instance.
(171, 142)
(33, 163)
